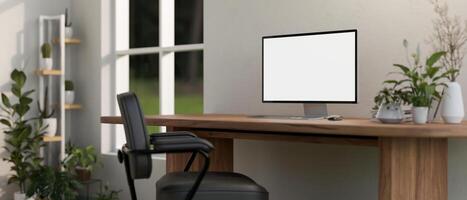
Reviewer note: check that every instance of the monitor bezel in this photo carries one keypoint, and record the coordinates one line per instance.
(355, 101)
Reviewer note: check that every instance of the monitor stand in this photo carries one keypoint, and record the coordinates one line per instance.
(311, 111)
(315, 110)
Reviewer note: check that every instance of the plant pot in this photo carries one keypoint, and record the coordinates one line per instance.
(452, 104)
(420, 115)
(390, 113)
(21, 196)
(83, 174)
(46, 63)
(51, 126)
(68, 32)
(69, 97)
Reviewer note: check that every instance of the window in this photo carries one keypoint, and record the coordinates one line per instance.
(159, 56)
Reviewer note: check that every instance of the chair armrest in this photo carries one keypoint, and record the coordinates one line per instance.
(177, 144)
(156, 136)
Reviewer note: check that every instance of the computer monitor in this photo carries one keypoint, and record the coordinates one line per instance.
(310, 68)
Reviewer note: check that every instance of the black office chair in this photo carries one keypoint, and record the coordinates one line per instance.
(203, 185)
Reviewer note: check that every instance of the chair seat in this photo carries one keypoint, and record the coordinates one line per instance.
(215, 186)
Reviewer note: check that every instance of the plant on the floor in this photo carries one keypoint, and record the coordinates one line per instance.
(108, 194)
(48, 183)
(81, 161)
(23, 138)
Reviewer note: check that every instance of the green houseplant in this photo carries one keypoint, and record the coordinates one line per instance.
(421, 82)
(23, 139)
(48, 183)
(49, 122)
(80, 161)
(69, 92)
(46, 61)
(108, 194)
(388, 104)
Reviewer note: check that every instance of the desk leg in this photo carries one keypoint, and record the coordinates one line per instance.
(413, 169)
(221, 156)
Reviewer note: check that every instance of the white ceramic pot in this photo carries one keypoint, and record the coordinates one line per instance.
(390, 113)
(51, 126)
(46, 63)
(452, 104)
(21, 196)
(68, 32)
(69, 97)
(420, 115)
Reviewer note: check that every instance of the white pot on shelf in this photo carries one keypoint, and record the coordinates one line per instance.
(46, 63)
(68, 32)
(70, 97)
(452, 104)
(50, 125)
(420, 115)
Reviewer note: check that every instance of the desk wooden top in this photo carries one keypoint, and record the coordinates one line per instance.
(347, 127)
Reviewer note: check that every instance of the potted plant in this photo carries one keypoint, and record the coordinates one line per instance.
(46, 60)
(49, 122)
(421, 82)
(69, 92)
(81, 161)
(22, 138)
(48, 183)
(68, 28)
(108, 194)
(450, 35)
(388, 104)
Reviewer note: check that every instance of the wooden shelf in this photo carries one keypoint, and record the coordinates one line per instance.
(57, 138)
(67, 40)
(49, 72)
(72, 106)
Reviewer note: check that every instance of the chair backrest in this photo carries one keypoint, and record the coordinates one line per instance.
(136, 134)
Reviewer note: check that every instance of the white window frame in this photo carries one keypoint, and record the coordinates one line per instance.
(166, 51)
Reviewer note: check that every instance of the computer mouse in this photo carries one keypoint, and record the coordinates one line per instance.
(334, 118)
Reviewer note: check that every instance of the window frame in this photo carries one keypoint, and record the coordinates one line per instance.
(166, 51)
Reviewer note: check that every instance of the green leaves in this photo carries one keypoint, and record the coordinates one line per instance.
(404, 69)
(19, 77)
(6, 101)
(434, 58)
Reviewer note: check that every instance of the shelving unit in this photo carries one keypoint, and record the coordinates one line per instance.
(52, 30)
(49, 72)
(52, 138)
(68, 41)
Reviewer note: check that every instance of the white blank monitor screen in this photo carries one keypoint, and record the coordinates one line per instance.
(313, 67)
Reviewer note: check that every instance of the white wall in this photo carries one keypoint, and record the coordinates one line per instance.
(232, 84)
(19, 48)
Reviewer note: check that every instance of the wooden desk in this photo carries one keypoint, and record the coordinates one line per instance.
(413, 158)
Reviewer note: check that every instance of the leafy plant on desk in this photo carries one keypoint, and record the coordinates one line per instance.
(421, 81)
(389, 95)
(23, 138)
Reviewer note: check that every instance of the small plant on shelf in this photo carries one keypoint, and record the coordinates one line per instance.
(80, 161)
(69, 92)
(23, 139)
(68, 28)
(46, 60)
(49, 122)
